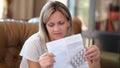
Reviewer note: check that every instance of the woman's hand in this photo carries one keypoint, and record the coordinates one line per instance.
(92, 53)
(47, 60)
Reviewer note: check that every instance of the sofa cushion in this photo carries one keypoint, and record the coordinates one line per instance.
(110, 59)
(13, 34)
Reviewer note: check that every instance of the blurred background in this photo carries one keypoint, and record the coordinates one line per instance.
(88, 11)
(27, 9)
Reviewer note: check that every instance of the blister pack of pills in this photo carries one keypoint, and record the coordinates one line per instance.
(78, 59)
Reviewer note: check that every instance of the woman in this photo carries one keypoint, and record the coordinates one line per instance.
(55, 23)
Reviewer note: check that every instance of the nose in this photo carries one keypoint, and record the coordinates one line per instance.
(56, 28)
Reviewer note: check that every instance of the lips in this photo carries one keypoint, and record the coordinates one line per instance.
(57, 34)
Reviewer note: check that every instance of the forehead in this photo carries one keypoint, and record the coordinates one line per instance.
(57, 15)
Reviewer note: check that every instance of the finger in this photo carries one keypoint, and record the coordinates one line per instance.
(94, 58)
(91, 56)
(90, 50)
(51, 54)
(47, 55)
(47, 62)
(51, 66)
(47, 59)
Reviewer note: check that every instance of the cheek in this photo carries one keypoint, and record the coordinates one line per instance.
(65, 28)
(48, 30)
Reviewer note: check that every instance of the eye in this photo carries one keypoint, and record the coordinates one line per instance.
(50, 25)
(61, 23)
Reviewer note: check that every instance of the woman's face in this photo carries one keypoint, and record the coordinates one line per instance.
(57, 26)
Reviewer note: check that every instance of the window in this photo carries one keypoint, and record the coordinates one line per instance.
(63, 1)
(3, 8)
(107, 15)
(80, 8)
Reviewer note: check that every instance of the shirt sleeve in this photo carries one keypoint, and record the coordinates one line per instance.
(31, 50)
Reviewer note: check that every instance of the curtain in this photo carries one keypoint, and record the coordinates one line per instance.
(23, 9)
(20, 9)
(9, 8)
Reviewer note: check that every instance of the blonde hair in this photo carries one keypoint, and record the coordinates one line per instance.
(46, 12)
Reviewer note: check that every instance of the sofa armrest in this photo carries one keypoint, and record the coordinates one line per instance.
(110, 60)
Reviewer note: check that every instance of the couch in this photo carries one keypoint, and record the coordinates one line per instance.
(110, 59)
(109, 44)
(13, 34)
